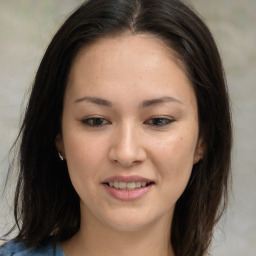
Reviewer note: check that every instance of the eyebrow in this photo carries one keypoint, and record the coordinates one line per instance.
(148, 103)
(144, 104)
(95, 100)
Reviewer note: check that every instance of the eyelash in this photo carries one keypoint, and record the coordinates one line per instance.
(94, 121)
(164, 121)
(91, 121)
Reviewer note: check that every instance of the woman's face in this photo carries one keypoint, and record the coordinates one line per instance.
(129, 131)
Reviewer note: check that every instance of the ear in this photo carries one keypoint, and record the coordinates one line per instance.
(60, 145)
(199, 151)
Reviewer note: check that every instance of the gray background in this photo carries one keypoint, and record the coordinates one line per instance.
(26, 27)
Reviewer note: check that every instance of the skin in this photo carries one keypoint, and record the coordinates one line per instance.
(158, 140)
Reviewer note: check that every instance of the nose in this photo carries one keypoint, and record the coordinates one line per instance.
(127, 146)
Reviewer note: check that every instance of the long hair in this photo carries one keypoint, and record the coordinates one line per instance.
(46, 204)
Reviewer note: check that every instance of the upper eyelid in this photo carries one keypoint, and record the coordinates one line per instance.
(168, 119)
(83, 120)
(151, 117)
(93, 117)
(161, 117)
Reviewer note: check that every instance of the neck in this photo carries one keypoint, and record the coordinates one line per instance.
(95, 238)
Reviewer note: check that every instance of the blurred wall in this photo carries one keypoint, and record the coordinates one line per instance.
(26, 26)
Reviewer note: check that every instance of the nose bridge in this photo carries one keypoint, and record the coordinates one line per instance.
(127, 135)
(127, 148)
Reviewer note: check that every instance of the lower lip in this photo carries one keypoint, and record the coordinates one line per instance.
(127, 195)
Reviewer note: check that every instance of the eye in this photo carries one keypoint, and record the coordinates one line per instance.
(159, 121)
(95, 121)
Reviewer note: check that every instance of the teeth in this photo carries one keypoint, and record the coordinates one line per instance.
(116, 184)
(122, 185)
(127, 185)
(143, 184)
(131, 185)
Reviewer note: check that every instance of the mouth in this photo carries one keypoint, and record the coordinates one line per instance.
(128, 186)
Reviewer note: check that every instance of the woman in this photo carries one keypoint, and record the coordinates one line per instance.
(125, 145)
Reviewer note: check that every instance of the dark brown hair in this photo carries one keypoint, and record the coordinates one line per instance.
(46, 204)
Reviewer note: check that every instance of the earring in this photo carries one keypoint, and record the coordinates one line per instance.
(61, 157)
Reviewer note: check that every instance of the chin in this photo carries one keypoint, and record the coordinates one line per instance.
(130, 221)
(128, 227)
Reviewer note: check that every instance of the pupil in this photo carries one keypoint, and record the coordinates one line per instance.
(159, 121)
(98, 121)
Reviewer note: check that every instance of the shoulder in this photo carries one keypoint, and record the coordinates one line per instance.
(14, 248)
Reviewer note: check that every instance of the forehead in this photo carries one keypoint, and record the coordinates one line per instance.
(128, 47)
(141, 62)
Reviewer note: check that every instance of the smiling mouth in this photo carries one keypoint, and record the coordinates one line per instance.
(128, 186)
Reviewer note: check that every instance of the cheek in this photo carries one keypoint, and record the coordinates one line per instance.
(174, 163)
(176, 149)
(174, 158)
(84, 156)
(83, 150)
(83, 161)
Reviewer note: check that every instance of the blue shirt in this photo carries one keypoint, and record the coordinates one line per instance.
(13, 248)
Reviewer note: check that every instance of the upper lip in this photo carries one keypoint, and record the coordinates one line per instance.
(127, 179)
